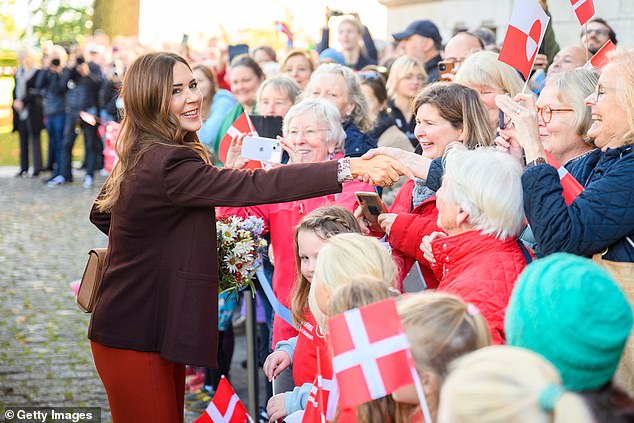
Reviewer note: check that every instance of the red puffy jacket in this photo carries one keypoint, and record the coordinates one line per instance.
(408, 230)
(482, 270)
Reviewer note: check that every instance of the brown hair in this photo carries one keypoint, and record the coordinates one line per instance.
(462, 107)
(297, 52)
(324, 222)
(207, 98)
(147, 94)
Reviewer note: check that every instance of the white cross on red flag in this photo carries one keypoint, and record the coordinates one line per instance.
(572, 188)
(371, 355)
(584, 9)
(226, 407)
(524, 36)
(241, 125)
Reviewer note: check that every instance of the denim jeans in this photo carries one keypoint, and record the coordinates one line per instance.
(55, 129)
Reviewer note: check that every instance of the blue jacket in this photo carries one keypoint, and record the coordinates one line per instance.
(357, 142)
(222, 103)
(601, 218)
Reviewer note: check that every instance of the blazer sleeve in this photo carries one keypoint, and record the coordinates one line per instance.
(190, 182)
(599, 217)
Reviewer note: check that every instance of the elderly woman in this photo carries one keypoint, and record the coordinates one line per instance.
(564, 120)
(483, 72)
(478, 256)
(312, 133)
(445, 113)
(601, 218)
(276, 96)
(339, 85)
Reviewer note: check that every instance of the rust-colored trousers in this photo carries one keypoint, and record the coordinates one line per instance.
(142, 387)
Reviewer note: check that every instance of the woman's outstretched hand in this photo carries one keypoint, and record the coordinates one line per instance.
(416, 164)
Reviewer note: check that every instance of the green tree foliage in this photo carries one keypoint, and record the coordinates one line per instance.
(61, 21)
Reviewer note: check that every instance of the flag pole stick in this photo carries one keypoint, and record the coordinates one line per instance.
(319, 386)
(587, 51)
(525, 84)
(421, 396)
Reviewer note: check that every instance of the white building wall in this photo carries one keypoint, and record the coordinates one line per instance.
(451, 14)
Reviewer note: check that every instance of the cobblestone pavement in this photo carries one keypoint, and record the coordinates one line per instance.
(45, 356)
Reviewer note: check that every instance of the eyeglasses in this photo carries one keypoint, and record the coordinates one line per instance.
(546, 112)
(603, 32)
(309, 134)
(599, 91)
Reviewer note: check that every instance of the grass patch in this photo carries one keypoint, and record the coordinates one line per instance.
(10, 149)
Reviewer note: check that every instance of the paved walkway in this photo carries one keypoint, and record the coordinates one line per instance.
(45, 356)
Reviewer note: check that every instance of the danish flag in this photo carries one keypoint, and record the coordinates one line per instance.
(323, 393)
(584, 9)
(240, 125)
(371, 355)
(600, 59)
(524, 36)
(572, 188)
(226, 407)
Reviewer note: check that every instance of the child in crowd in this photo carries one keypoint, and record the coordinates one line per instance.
(440, 328)
(311, 235)
(361, 291)
(502, 384)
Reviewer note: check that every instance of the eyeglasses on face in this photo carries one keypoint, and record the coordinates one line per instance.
(309, 134)
(603, 32)
(546, 112)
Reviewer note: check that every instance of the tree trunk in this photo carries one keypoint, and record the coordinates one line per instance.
(117, 17)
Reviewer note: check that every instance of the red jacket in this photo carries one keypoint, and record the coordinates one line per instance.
(408, 230)
(281, 219)
(311, 336)
(482, 270)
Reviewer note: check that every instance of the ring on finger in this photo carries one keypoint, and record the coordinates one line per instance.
(517, 111)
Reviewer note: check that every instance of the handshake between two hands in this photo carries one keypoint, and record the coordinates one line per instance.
(380, 166)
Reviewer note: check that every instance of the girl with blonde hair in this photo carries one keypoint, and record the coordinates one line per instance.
(440, 327)
(502, 384)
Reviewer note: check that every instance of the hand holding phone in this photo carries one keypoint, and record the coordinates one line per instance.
(445, 68)
(261, 148)
(371, 206)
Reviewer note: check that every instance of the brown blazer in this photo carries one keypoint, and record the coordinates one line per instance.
(160, 285)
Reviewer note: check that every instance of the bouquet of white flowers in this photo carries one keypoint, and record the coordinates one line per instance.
(240, 244)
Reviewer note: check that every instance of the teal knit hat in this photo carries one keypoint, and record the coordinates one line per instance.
(571, 311)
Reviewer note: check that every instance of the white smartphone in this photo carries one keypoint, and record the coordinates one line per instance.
(261, 148)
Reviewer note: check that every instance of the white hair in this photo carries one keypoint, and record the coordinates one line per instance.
(487, 185)
(323, 111)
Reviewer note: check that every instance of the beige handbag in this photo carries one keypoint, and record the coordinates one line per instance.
(91, 280)
(623, 274)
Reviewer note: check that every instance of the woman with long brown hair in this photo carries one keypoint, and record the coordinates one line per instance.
(156, 308)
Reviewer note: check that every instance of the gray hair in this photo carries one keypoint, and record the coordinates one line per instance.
(284, 84)
(487, 185)
(572, 89)
(360, 114)
(323, 111)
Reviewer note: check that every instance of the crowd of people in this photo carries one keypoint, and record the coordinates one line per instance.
(515, 322)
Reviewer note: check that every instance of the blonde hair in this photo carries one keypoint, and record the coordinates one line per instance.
(623, 59)
(503, 384)
(324, 222)
(440, 328)
(472, 181)
(484, 69)
(297, 52)
(572, 89)
(147, 121)
(399, 69)
(347, 256)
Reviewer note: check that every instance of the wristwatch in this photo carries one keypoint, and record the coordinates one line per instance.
(537, 161)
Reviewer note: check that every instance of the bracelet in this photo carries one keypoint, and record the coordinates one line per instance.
(344, 171)
(537, 161)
